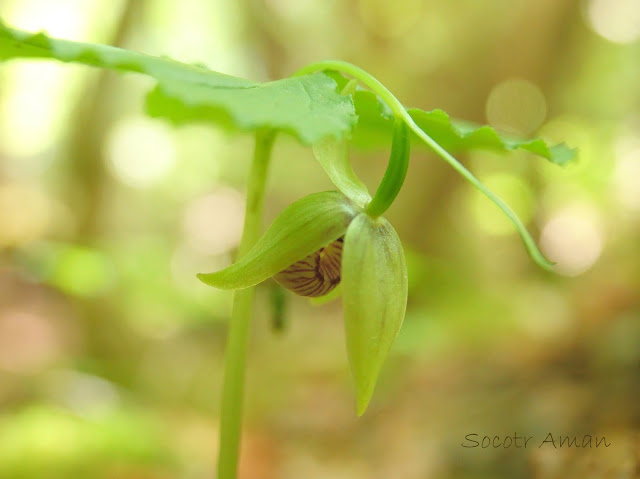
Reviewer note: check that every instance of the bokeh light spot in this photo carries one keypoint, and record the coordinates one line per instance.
(573, 238)
(140, 152)
(62, 18)
(300, 10)
(551, 315)
(81, 271)
(87, 395)
(511, 189)
(28, 341)
(390, 19)
(24, 214)
(213, 223)
(34, 99)
(615, 20)
(626, 179)
(516, 106)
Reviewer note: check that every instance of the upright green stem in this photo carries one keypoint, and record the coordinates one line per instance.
(234, 373)
(399, 111)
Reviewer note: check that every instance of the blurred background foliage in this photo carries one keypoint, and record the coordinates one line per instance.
(111, 351)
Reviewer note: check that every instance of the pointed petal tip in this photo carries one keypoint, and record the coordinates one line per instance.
(364, 393)
(207, 278)
(361, 406)
(216, 280)
(374, 282)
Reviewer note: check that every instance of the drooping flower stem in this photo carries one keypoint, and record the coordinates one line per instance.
(396, 171)
(238, 336)
(400, 112)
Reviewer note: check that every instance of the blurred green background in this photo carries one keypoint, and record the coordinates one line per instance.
(111, 350)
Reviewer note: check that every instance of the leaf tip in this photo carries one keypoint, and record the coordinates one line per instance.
(563, 155)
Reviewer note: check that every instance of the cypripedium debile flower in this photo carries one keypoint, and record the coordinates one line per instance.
(339, 237)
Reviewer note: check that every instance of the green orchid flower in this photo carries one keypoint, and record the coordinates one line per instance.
(340, 237)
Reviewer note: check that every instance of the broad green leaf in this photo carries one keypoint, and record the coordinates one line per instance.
(333, 155)
(458, 135)
(19, 44)
(309, 107)
(303, 227)
(374, 287)
(375, 125)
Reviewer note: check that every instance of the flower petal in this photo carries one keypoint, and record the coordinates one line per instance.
(302, 228)
(374, 284)
(333, 155)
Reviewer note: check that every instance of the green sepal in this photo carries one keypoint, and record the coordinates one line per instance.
(374, 284)
(332, 295)
(333, 156)
(303, 227)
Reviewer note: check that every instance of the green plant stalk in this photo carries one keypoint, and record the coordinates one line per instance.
(399, 111)
(238, 337)
(396, 171)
